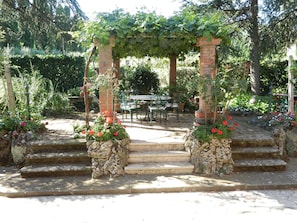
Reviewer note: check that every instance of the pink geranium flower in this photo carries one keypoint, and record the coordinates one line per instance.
(22, 123)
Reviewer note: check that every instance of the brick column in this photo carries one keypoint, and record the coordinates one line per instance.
(105, 67)
(207, 68)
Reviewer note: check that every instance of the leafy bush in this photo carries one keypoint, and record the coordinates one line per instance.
(104, 129)
(57, 104)
(39, 89)
(17, 124)
(221, 129)
(273, 73)
(187, 81)
(65, 72)
(144, 80)
(248, 103)
(42, 97)
(218, 92)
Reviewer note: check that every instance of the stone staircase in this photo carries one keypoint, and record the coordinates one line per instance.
(256, 154)
(69, 158)
(57, 158)
(158, 158)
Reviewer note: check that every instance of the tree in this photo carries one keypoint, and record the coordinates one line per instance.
(245, 15)
(279, 28)
(38, 23)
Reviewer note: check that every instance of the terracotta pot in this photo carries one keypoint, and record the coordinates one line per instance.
(202, 115)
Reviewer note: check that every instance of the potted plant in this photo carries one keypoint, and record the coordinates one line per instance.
(210, 140)
(107, 143)
(210, 146)
(16, 132)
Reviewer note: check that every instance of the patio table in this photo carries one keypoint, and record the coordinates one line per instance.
(150, 97)
(157, 103)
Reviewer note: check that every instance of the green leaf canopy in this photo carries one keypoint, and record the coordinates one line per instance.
(148, 34)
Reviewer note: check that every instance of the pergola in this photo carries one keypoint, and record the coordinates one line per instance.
(207, 67)
(120, 35)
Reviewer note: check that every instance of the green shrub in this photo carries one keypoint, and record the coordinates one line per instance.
(248, 103)
(43, 100)
(187, 81)
(57, 104)
(65, 72)
(16, 124)
(144, 81)
(39, 89)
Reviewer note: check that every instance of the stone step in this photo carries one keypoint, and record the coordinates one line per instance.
(56, 170)
(136, 147)
(255, 152)
(160, 168)
(159, 156)
(259, 165)
(61, 157)
(58, 146)
(253, 141)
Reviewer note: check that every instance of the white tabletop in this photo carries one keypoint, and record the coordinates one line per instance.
(149, 97)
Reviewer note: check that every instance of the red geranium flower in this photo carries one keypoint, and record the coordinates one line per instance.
(99, 134)
(235, 124)
(220, 132)
(116, 133)
(225, 122)
(229, 117)
(214, 130)
(91, 132)
(231, 128)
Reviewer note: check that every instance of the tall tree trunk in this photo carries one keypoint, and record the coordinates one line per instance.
(254, 55)
(10, 94)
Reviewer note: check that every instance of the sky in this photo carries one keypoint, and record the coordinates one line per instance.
(163, 7)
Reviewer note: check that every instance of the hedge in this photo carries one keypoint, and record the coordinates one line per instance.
(65, 72)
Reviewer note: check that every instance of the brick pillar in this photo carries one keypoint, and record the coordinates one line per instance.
(105, 67)
(207, 68)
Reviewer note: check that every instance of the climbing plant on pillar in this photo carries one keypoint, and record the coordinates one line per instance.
(218, 92)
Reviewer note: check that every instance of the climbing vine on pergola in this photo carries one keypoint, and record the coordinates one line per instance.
(148, 34)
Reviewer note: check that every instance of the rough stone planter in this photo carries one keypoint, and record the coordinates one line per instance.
(210, 158)
(294, 124)
(108, 157)
(5, 153)
(20, 148)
